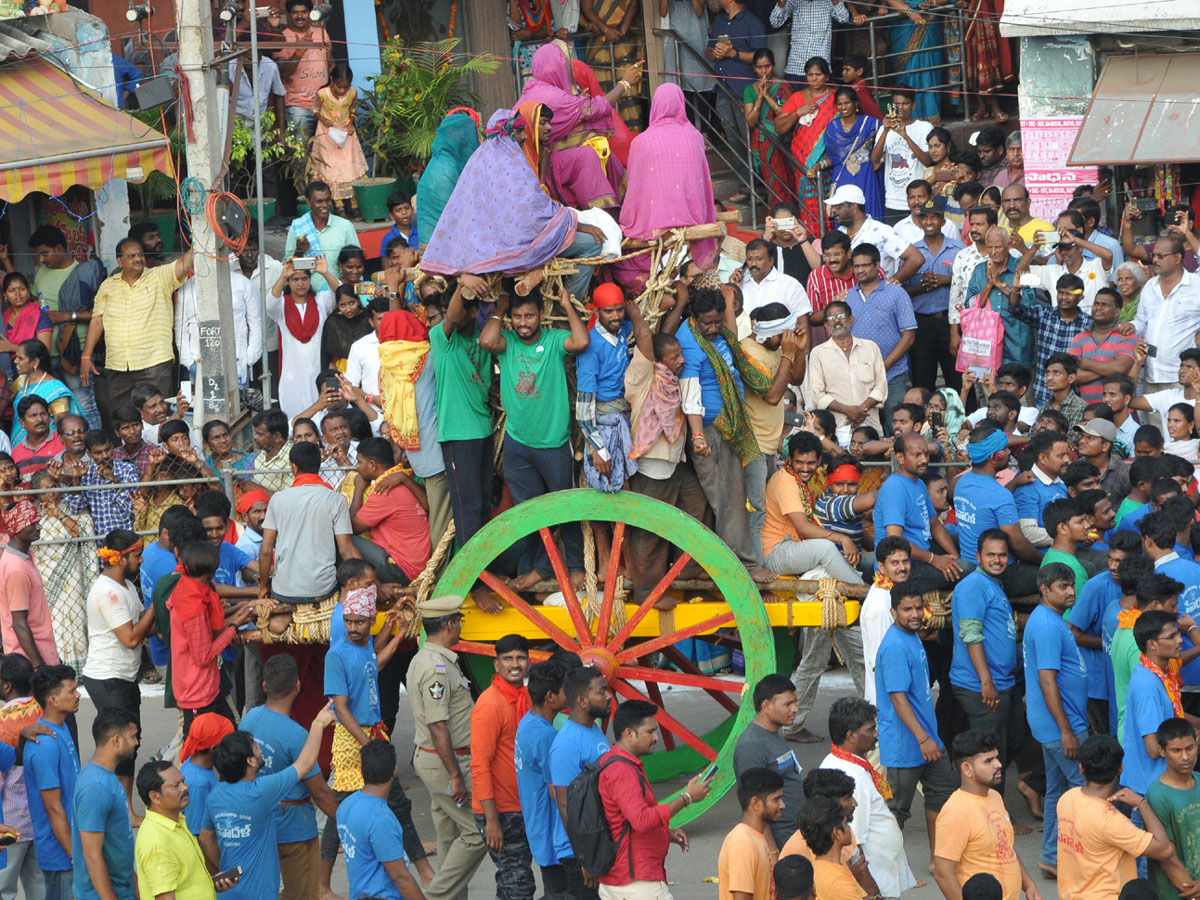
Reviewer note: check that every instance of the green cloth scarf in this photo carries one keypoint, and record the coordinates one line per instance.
(733, 424)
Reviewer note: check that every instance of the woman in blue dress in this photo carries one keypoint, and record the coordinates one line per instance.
(848, 142)
(915, 42)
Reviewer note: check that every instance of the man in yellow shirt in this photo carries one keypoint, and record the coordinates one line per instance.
(168, 856)
(1014, 200)
(974, 833)
(744, 864)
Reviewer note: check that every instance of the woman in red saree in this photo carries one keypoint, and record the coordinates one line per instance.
(807, 113)
(989, 56)
(763, 101)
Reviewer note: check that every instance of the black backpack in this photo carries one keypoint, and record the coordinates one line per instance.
(587, 827)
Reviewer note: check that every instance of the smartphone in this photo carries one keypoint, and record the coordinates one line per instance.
(235, 872)
(1030, 280)
(785, 224)
(710, 774)
(723, 39)
(857, 857)
(935, 419)
(185, 391)
(6, 839)
(1151, 350)
(1049, 238)
(332, 384)
(979, 372)
(304, 263)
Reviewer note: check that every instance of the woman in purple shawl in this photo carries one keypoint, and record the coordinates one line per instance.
(498, 219)
(583, 172)
(669, 186)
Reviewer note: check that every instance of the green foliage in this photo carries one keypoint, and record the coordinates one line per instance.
(159, 187)
(241, 151)
(418, 85)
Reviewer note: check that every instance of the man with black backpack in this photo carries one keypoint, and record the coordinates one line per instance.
(639, 826)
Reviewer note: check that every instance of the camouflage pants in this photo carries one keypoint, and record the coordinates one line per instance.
(514, 864)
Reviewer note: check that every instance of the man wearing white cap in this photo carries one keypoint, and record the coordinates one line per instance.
(898, 258)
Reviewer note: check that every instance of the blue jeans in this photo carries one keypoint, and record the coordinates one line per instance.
(306, 119)
(1061, 774)
(85, 395)
(583, 245)
(897, 386)
(60, 885)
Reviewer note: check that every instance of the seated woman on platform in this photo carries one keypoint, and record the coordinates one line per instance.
(499, 219)
(583, 172)
(669, 187)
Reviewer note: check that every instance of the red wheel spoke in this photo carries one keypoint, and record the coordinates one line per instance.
(653, 597)
(669, 722)
(687, 666)
(656, 698)
(610, 584)
(511, 597)
(568, 591)
(651, 675)
(666, 640)
(482, 649)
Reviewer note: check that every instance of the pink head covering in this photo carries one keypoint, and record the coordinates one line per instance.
(669, 185)
(20, 515)
(553, 84)
(360, 602)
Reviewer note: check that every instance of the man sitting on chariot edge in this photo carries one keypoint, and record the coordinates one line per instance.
(795, 543)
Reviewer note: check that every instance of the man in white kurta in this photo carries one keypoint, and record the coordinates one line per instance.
(300, 338)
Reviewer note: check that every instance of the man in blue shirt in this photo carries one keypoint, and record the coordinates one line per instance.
(712, 388)
(1055, 696)
(548, 841)
(735, 34)
(600, 404)
(280, 739)
(903, 508)
(1052, 454)
(371, 837)
(577, 744)
(1153, 697)
(51, 770)
(101, 834)
(239, 823)
(1161, 489)
(883, 313)
(930, 292)
(1086, 621)
(981, 504)
(908, 739)
(1158, 543)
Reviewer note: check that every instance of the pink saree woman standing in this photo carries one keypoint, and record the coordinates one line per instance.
(669, 186)
(584, 173)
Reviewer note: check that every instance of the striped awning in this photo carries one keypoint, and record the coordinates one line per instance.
(54, 133)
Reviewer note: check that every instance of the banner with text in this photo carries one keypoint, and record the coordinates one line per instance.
(1045, 144)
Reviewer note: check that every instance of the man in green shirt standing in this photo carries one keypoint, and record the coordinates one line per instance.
(319, 231)
(463, 374)
(533, 389)
(55, 267)
(1067, 524)
(1175, 798)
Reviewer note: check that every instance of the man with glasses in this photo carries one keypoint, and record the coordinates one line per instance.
(1168, 315)
(836, 373)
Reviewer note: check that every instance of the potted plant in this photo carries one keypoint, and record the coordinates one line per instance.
(241, 160)
(418, 84)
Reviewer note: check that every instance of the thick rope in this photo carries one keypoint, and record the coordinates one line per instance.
(833, 605)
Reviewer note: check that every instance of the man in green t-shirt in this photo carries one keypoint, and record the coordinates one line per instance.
(533, 390)
(1175, 798)
(54, 266)
(1067, 524)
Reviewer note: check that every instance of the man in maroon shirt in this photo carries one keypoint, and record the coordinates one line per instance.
(640, 825)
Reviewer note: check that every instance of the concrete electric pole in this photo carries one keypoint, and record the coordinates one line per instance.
(216, 391)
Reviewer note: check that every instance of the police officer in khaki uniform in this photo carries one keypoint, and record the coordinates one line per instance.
(441, 707)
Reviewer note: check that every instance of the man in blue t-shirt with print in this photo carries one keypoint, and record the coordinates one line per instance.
(982, 503)
(578, 743)
(371, 836)
(904, 508)
(1052, 455)
(908, 739)
(983, 669)
(548, 841)
(1055, 695)
(239, 823)
(280, 739)
(51, 770)
(100, 826)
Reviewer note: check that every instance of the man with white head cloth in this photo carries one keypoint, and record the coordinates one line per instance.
(778, 344)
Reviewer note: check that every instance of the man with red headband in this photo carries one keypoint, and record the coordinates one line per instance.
(841, 508)
(24, 611)
(600, 404)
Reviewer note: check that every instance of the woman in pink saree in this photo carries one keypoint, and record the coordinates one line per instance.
(669, 186)
(584, 173)
(585, 78)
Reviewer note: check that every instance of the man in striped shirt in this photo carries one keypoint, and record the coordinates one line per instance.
(1102, 351)
(830, 281)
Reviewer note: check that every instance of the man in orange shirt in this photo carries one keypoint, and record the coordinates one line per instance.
(837, 784)
(974, 833)
(744, 864)
(822, 821)
(495, 799)
(1097, 846)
